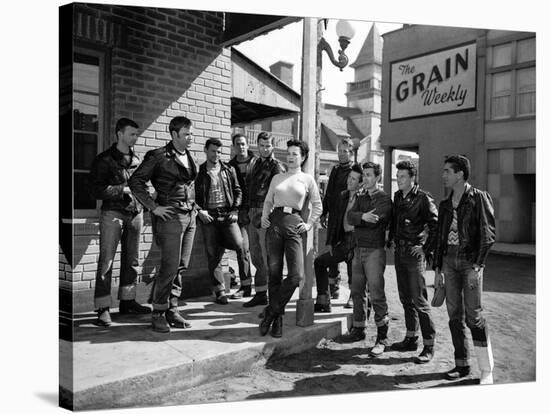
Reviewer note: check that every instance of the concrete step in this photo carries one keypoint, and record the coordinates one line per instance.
(128, 364)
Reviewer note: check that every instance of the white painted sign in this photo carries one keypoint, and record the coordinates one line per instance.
(436, 83)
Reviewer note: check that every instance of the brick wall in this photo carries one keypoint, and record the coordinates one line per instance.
(161, 63)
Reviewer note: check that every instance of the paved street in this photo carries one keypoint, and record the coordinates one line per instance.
(333, 367)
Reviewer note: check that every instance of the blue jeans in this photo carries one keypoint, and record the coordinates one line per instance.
(343, 251)
(283, 239)
(413, 293)
(258, 252)
(175, 238)
(463, 302)
(218, 236)
(114, 227)
(369, 265)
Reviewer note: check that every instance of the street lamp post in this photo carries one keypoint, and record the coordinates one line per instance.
(310, 129)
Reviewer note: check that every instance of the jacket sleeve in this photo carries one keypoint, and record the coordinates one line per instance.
(237, 192)
(138, 181)
(355, 213)
(487, 228)
(101, 189)
(328, 191)
(429, 214)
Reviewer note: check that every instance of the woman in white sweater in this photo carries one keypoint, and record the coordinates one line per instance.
(285, 216)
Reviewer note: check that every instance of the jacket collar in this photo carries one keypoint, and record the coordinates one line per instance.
(414, 191)
(172, 152)
(468, 192)
(119, 156)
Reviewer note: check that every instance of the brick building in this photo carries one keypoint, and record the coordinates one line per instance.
(148, 64)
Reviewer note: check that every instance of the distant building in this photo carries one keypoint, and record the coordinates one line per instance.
(452, 90)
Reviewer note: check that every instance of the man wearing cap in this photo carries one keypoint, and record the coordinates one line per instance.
(465, 234)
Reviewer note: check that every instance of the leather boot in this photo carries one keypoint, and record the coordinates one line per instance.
(457, 372)
(221, 299)
(243, 292)
(103, 317)
(265, 324)
(260, 298)
(132, 307)
(349, 303)
(381, 341)
(174, 319)
(426, 355)
(485, 361)
(277, 327)
(321, 308)
(355, 334)
(158, 322)
(410, 343)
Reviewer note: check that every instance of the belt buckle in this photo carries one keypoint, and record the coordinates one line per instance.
(287, 210)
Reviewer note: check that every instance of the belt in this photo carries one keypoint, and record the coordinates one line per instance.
(404, 243)
(219, 211)
(288, 210)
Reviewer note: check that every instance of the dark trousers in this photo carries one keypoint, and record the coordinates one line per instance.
(117, 227)
(334, 274)
(175, 238)
(463, 303)
(413, 293)
(219, 235)
(283, 240)
(343, 251)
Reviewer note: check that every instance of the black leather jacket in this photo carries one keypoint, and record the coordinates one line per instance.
(371, 234)
(476, 226)
(109, 175)
(243, 180)
(172, 181)
(414, 220)
(229, 182)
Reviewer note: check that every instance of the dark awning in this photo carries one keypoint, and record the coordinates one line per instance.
(243, 111)
(240, 27)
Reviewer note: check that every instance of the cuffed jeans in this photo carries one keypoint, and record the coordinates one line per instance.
(114, 227)
(218, 236)
(463, 303)
(413, 293)
(258, 252)
(369, 265)
(343, 251)
(175, 238)
(283, 239)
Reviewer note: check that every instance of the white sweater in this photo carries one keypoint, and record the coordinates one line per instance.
(290, 189)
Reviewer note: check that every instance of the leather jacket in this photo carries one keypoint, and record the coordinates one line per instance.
(371, 234)
(259, 179)
(229, 182)
(414, 220)
(337, 182)
(475, 224)
(172, 181)
(109, 175)
(243, 180)
(335, 228)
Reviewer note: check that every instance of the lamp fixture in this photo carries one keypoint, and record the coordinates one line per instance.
(345, 32)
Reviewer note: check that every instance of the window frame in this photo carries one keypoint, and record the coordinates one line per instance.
(513, 69)
(103, 55)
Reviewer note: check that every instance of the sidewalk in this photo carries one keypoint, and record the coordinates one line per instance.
(515, 249)
(127, 363)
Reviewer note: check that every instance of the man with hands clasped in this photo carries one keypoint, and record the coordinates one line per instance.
(465, 234)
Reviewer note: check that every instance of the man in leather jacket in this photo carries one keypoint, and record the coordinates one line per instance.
(258, 181)
(243, 162)
(218, 198)
(171, 170)
(413, 230)
(121, 220)
(465, 233)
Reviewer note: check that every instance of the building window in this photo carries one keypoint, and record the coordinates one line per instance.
(526, 82)
(87, 123)
(512, 79)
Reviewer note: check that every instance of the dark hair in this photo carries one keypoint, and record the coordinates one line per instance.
(123, 123)
(459, 163)
(304, 149)
(375, 167)
(409, 166)
(237, 135)
(264, 135)
(177, 123)
(357, 168)
(347, 141)
(212, 141)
